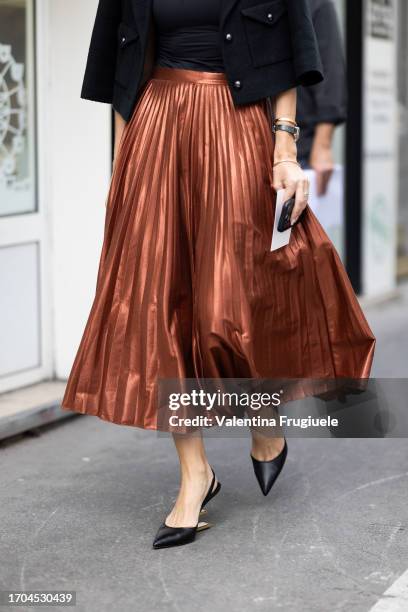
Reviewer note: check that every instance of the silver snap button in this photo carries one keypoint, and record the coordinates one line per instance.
(269, 16)
(228, 37)
(237, 84)
(123, 39)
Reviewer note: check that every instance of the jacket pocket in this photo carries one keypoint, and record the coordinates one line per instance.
(268, 33)
(127, 54)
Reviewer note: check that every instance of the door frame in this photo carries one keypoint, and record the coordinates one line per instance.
(33, 227)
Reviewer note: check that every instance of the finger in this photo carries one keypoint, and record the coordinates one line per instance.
(290, 190)
(300, 200)
(326, 180)
(277, 182)
(277, 185)
(320, 183)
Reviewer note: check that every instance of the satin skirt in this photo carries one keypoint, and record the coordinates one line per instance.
(187, 286)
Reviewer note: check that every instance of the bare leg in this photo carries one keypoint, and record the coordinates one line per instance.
(196, 476)
(266, 447)
(267, 440)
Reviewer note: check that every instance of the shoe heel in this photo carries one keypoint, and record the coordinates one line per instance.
(203, 526)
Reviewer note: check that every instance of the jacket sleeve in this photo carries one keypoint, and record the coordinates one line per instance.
(100, 67)
(331, 95)
(307, 62)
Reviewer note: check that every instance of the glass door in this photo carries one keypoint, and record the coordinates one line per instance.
(23, 333)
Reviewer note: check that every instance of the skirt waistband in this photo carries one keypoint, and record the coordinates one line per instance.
(183, 75)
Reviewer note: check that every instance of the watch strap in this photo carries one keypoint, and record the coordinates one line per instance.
(294, 131)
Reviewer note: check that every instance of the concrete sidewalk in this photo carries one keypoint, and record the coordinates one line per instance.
(389, 322)
(31, 407)
(83, 500)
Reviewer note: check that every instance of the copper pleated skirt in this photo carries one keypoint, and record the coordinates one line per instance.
(187, 286)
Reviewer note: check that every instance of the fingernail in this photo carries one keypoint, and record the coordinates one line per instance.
(294, 220)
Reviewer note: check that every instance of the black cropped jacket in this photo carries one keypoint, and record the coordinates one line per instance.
(268, 47)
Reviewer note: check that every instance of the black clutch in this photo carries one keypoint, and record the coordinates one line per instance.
(284, 221)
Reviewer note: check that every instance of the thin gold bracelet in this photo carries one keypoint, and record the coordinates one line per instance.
(287, 120)
(287, 161)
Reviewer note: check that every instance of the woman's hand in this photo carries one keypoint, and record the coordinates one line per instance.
(289, 176)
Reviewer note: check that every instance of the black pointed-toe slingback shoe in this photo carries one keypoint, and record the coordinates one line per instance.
(167, 537)
(267, 472)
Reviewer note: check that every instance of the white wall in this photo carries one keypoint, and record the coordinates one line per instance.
(77, 167)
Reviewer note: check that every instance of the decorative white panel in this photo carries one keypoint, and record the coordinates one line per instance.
(20, 326)
(380, 148)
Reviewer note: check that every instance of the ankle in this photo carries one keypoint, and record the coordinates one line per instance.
(199, 470)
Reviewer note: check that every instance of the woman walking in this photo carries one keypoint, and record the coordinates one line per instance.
(204, 95)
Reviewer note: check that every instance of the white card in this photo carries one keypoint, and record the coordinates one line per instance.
(279, 239)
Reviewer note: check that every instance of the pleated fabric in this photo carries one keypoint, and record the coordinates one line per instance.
(187, 286)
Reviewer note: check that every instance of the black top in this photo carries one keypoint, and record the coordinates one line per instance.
(327, 101)
(188, 34)
(265, 51)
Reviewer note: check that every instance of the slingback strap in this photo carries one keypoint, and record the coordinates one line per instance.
(210, 490)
